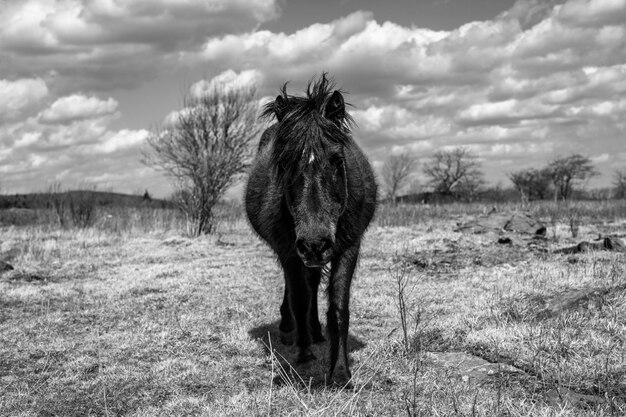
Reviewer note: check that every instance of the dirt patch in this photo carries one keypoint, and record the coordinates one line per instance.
(520, 223)
(514, 237)
(455, 257)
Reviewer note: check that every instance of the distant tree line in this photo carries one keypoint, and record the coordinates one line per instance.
(456, 175)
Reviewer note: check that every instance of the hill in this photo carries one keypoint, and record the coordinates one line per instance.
(99, 198)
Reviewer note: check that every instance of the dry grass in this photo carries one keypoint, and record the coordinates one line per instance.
(142, 323)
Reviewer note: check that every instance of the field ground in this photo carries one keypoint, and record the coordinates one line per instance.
(105, 323)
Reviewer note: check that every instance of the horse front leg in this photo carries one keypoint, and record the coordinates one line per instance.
(287, 325)
(299, 295)
(338, 316)
(313, 277)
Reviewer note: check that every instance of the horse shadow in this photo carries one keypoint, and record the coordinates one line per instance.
(281, 358)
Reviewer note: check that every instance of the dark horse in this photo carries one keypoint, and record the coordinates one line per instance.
(310, 196)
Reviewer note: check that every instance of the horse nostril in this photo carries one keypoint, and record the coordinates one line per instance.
(314, 248)
(301, 246)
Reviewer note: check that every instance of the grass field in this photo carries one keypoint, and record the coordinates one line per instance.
(129, 319)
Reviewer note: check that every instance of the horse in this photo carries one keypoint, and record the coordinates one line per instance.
(311, 195)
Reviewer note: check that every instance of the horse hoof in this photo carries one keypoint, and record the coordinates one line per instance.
(342, 385)
(305, 356)
(286, 339)
(340, 379)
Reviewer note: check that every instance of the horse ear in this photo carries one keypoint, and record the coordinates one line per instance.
(335, 108)
(280, 108)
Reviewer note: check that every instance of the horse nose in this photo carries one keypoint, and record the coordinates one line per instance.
(313, 248)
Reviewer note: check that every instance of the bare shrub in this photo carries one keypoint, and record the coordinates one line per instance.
(397, 171)
(205, 149)
(532, 183)
(73, 208)
(569, 172)
(619, 184)
(82, 207)
(409, 322)
(456, 173)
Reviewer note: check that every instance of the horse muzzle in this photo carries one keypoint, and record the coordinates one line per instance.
(315, 253)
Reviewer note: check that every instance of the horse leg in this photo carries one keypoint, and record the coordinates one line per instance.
(313, 276)
(338, 316)
(286, 326)
(299, 301)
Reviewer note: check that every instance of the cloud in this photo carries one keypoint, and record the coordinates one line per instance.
(20, 95)
(121, 140)
(398, 124)
(530, 12)
(539, 77)
(77, 107)
(120, 42)
(71, 141)
(352, 46)
(506, 112)
(544, 76)
(227, 80)
(595, 13)
(49, 26)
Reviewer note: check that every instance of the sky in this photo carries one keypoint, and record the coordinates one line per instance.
(518, 83)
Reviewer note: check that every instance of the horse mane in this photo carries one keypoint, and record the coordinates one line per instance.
(304, 129)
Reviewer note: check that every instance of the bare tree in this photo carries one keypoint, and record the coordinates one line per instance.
(205, 148)
(619, 182)
(397, 172)
(568, 172)
(456, 173)
(532, 183)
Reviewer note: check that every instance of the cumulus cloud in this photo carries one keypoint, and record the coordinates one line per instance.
(119, 41)
(71, 141)
(348, 47)
(120, 140)
(538, 78)
(20, 95)
(227, 80)
(45, 26)
(399, 125)
(542, 77)
(77, 107)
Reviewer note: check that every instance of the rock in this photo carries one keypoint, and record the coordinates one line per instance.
(470, 368)
(476, 371)
(575, 298)
(565, 395)
(510, 239)
(525, 223)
